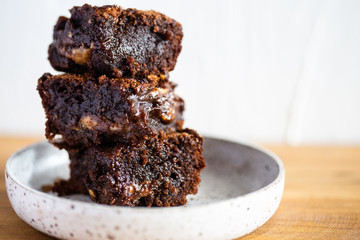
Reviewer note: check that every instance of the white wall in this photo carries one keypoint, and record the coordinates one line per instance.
(267, 71)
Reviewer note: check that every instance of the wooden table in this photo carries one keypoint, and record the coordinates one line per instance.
(321, 198)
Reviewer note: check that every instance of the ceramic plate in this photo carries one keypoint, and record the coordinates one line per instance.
(241, 189)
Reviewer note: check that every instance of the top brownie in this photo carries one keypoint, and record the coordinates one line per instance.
(116, 42)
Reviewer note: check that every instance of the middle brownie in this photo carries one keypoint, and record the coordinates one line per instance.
(87, 110)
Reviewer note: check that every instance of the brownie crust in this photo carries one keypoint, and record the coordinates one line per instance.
(116, 42)
(159, 171)
(87, 110)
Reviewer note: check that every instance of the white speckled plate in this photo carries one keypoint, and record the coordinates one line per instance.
(241, 189)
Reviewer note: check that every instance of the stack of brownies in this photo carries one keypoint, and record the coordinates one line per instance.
(115, 110)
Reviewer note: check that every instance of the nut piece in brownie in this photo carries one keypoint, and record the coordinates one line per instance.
(159, 171)
(87, 110)
(115, 41)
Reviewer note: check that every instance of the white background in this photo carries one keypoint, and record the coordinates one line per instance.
(266, 71)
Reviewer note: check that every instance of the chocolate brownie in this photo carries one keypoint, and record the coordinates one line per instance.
(115, 41)
(87, 110)
(159, 171)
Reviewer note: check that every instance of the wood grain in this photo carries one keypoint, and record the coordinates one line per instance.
(322, 195)
(321, 198)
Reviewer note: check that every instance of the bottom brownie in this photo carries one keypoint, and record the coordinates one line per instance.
(159, 171)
